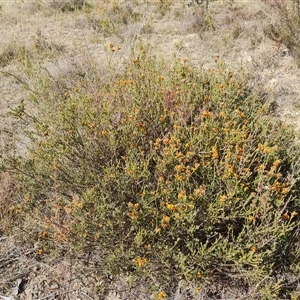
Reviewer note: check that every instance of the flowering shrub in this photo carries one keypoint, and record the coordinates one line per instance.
(166, 170)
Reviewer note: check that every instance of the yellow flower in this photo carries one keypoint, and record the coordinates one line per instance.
(207, 113)
(179, 168)
(161, 295)
(161, 178)
(182, 195)
(229, 168)
(178, 177)
(276, 163)
(223, 198)
(178, 154)
(215, 154)
(222, 114)
(260, 147)
(157, 141)
(267, 150)
(133, 215)
(276, 187)
(68, 209)
(166, 219)
(206, 98)
(141, 261)
(171, 206)
(200, 191)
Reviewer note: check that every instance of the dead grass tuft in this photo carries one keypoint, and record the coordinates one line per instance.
(67, 5)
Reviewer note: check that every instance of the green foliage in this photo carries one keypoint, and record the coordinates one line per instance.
(168, 171)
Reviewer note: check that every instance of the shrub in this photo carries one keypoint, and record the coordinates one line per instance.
(168, 171)
(287, 29)
(112, 18)
(67, 5)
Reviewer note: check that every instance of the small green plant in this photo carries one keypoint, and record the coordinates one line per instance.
(169, 172)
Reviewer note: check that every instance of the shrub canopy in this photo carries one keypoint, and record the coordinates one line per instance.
(166, 170)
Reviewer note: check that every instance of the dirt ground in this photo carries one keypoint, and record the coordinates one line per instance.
(239, 37)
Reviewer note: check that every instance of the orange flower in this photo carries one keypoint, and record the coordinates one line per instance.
(133, 215)
(161, 295)
(207, 113)
(166, 219)
(141, 261)
(164, 225)
(171, 206)
(276, 163)
(223, 198)
(260, 147)
(215, 154)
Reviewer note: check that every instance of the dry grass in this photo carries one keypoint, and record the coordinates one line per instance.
(6, 201)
